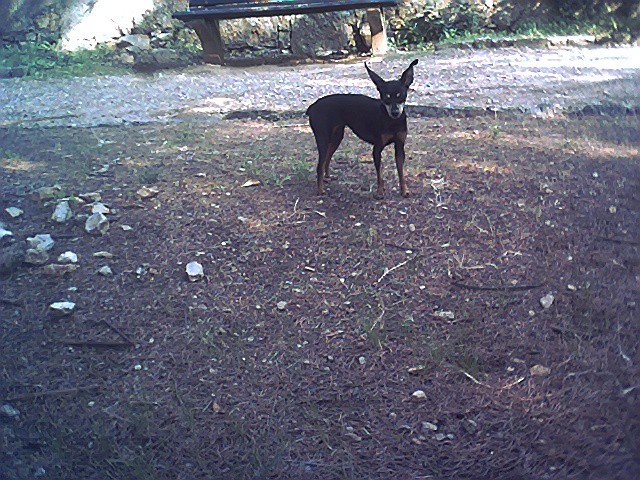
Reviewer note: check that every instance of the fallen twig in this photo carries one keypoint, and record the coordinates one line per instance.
(10, 301)
(49, 393)
(618, 240)
(469, 376)
(118, 331)
(96, 344)
(501, 287)
(387, 271)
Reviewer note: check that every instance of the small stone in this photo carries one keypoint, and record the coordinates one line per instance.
(56, 269)
(419, 395)
(126, 228)
(613, 209)
(194, 271)
(62, 212)
(139, 41)
(148, 192)
(105, 271)
(440, 436)
(41, 242)
(281, 305)
(14, 212)
(97, 224)
(48, 193)
(412, 227)
(429, 426)
(68, 257)
(103, 254)
(539, 371)
(63, 308)
(36, 257)
(445, 314)
(9, 410)
(362, 360)
(137, 367)
(251, 183)
(571, 288)
(91, 196)
(547, 300)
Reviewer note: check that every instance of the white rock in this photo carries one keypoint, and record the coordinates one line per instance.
(5, 233)
(63, 308)
(194, 271)
(362, 360)
(41, 242)
(62, 213)
(429, 426)
(440, 436)
(9, 410)
(97, 223)
(68, 257)
(281, 305)
(126, 228)
(105, 271)
(419, 394)
(14, 212)
(547, 300)
(98, 207)
(103, 254)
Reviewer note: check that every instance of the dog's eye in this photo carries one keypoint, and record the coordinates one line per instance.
(388, 95)
(397, 95)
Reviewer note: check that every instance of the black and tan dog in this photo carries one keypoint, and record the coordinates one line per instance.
(379, 122)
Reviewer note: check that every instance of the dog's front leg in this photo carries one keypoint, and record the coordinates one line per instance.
(399, 153)
(377, 161)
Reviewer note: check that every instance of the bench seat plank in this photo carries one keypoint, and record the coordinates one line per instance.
(228, 11)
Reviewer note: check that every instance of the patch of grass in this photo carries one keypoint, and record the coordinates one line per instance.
(149, 175)
(44, 59)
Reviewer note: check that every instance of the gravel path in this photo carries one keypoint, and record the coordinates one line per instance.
(531, 80)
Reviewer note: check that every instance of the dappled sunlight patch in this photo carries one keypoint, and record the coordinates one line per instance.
(18, 163)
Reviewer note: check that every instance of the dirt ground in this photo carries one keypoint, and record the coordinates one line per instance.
(302, 352)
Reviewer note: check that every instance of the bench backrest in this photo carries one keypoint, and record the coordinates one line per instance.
(266, 3)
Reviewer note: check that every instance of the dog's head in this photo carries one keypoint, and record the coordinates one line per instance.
(393, 93)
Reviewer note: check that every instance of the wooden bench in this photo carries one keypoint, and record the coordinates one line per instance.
(204, 16)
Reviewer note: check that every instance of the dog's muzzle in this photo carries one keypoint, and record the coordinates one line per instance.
(395, 110)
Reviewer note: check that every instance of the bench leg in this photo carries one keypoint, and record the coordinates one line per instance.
(212, 45)
(375, 18)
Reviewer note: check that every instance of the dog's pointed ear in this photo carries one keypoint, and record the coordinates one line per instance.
(375, 78)
(407, 76)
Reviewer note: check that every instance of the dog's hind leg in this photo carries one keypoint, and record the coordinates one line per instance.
(328, 143)
(336, 138)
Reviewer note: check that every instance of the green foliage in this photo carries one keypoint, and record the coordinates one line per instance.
(45, 59)
(617, 20)
(460, 17)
